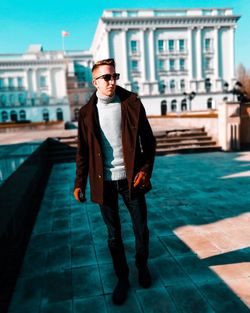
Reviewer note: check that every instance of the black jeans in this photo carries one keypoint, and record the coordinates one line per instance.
(138, 212)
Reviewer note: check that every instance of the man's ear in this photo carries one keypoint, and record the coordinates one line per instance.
(94, 83)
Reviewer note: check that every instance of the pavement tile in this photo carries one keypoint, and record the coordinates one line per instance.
(221, 298)
(58, 307)
(92, 304)
(132, 304)
(27, 295)
(170, 271)
(188, 299)
(58, 258)
(86, 282)
(156, 300)
(83, 255)
(175, 246)
(57, 287)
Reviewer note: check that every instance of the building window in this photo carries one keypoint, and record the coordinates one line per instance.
(208, 44)
(161, 47)
(22, 115)
(182, 64)
(11, 82)
(135, 86)
(134, 66)
(208, 85)
(163, 107)
(45, 115)
(182, 85)
(162, 87)
(2, 85)
(161, 65)
(22, 99)
(19, 82)
(59, 114)
(43, 81)
(132, 13)
(134, 47)
(207, 63)
(76, 112)
(184, 105)
(13, 116)
(172, 65)
(12, 99)
(181, 45)
(3, 100)
(172, 85)
(75, 99)
(209, 103)
(4, 116)
(171, 45)
(173, 105)
(44, 99)
(117, 13)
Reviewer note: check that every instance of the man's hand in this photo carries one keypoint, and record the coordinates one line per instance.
(79, 195)
(141, 180)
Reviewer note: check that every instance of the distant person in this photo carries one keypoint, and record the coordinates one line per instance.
(116, 148)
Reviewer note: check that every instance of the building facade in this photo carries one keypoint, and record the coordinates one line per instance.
(33, 86)
(176, 60)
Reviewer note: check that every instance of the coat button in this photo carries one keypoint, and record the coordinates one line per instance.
(99, 154)
(99, 176)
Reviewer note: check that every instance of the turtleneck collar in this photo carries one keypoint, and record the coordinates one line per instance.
(104, 99)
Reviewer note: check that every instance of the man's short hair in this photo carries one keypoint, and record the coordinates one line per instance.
(103, 62)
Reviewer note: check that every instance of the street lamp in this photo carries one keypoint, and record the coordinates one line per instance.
(238, 91)
(190, 96)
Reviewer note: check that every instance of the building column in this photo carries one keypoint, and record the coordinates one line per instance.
(232, 47)
(198, 54)
(190, 53)
(51, 83)
(125, 58)
(144, 81)
(107, 54)
(154, 85)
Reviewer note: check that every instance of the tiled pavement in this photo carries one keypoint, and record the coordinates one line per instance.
(199, 223)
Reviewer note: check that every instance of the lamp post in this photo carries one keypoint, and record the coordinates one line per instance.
(190, 96)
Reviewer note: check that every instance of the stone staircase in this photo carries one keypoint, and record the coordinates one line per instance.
(184, 141)
(189, 140)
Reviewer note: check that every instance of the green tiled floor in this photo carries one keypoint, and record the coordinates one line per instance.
(67, 267)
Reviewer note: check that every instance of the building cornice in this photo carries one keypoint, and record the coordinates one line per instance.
(176, 21)
(28, 63)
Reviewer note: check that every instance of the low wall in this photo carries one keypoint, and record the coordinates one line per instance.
(197, 119)
(20, 197)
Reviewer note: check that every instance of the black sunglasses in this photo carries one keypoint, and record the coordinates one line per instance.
(108, 77)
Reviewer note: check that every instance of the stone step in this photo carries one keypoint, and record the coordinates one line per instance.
(183, 138)
(196, 149)
(189, 143)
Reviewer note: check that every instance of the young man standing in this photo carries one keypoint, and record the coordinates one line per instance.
(116, 148)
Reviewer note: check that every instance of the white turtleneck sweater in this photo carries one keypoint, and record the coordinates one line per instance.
(109, 111)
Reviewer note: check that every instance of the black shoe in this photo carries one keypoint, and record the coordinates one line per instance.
(121, 291)
(144, 277)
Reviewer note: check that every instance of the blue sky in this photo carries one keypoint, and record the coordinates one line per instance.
(23, 22)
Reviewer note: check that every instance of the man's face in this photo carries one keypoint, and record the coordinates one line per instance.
(105, 88)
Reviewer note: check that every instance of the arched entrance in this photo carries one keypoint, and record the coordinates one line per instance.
(13, 116)
(59, 114)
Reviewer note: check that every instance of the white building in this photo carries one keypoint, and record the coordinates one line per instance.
(33, 86)
(163, 53)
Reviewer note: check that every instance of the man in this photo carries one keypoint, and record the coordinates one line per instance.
(116, 148)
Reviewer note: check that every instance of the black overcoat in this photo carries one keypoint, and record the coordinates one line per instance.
(138, 144)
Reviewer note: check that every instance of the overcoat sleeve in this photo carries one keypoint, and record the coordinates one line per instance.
(147, 142)
(82, 155)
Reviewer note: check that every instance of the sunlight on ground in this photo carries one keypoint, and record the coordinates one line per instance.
(219, 238)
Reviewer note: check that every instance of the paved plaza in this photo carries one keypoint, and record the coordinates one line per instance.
(199, 219)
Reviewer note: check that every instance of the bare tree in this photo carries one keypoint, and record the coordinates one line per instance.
(243, 76)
